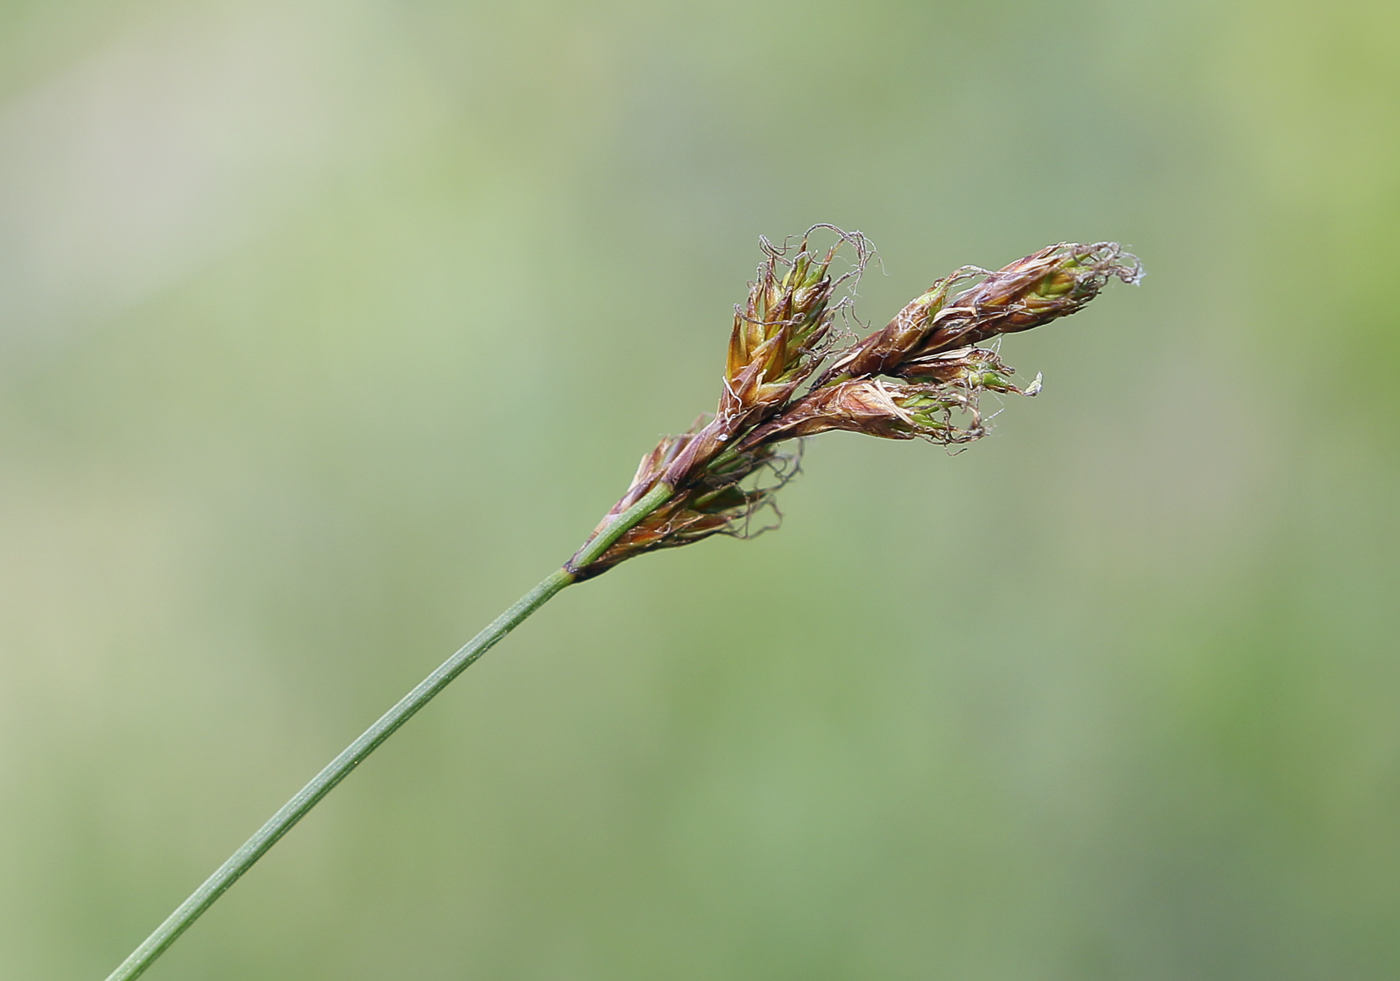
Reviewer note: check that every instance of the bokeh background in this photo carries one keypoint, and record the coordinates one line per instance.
(326, 329)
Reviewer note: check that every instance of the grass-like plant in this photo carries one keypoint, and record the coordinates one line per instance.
(787, 376)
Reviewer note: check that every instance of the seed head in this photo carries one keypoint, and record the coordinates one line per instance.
(727, 468)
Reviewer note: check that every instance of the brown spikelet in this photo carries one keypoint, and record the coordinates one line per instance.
(1054, 282)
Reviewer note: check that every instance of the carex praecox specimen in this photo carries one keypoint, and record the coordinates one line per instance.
(786, 377)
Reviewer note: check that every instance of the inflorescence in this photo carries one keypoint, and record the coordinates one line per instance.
(919, 377)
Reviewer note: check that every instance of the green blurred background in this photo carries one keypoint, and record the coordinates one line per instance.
(326, 329)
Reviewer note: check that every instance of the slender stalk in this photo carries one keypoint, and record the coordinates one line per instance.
(339, 768)
(600, 542)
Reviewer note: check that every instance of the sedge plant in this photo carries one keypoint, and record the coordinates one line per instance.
(787, 375)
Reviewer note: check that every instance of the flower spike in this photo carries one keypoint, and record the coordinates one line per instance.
(918, 378)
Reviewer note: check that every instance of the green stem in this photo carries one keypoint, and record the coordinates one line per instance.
(339, 768)
(604, 539)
